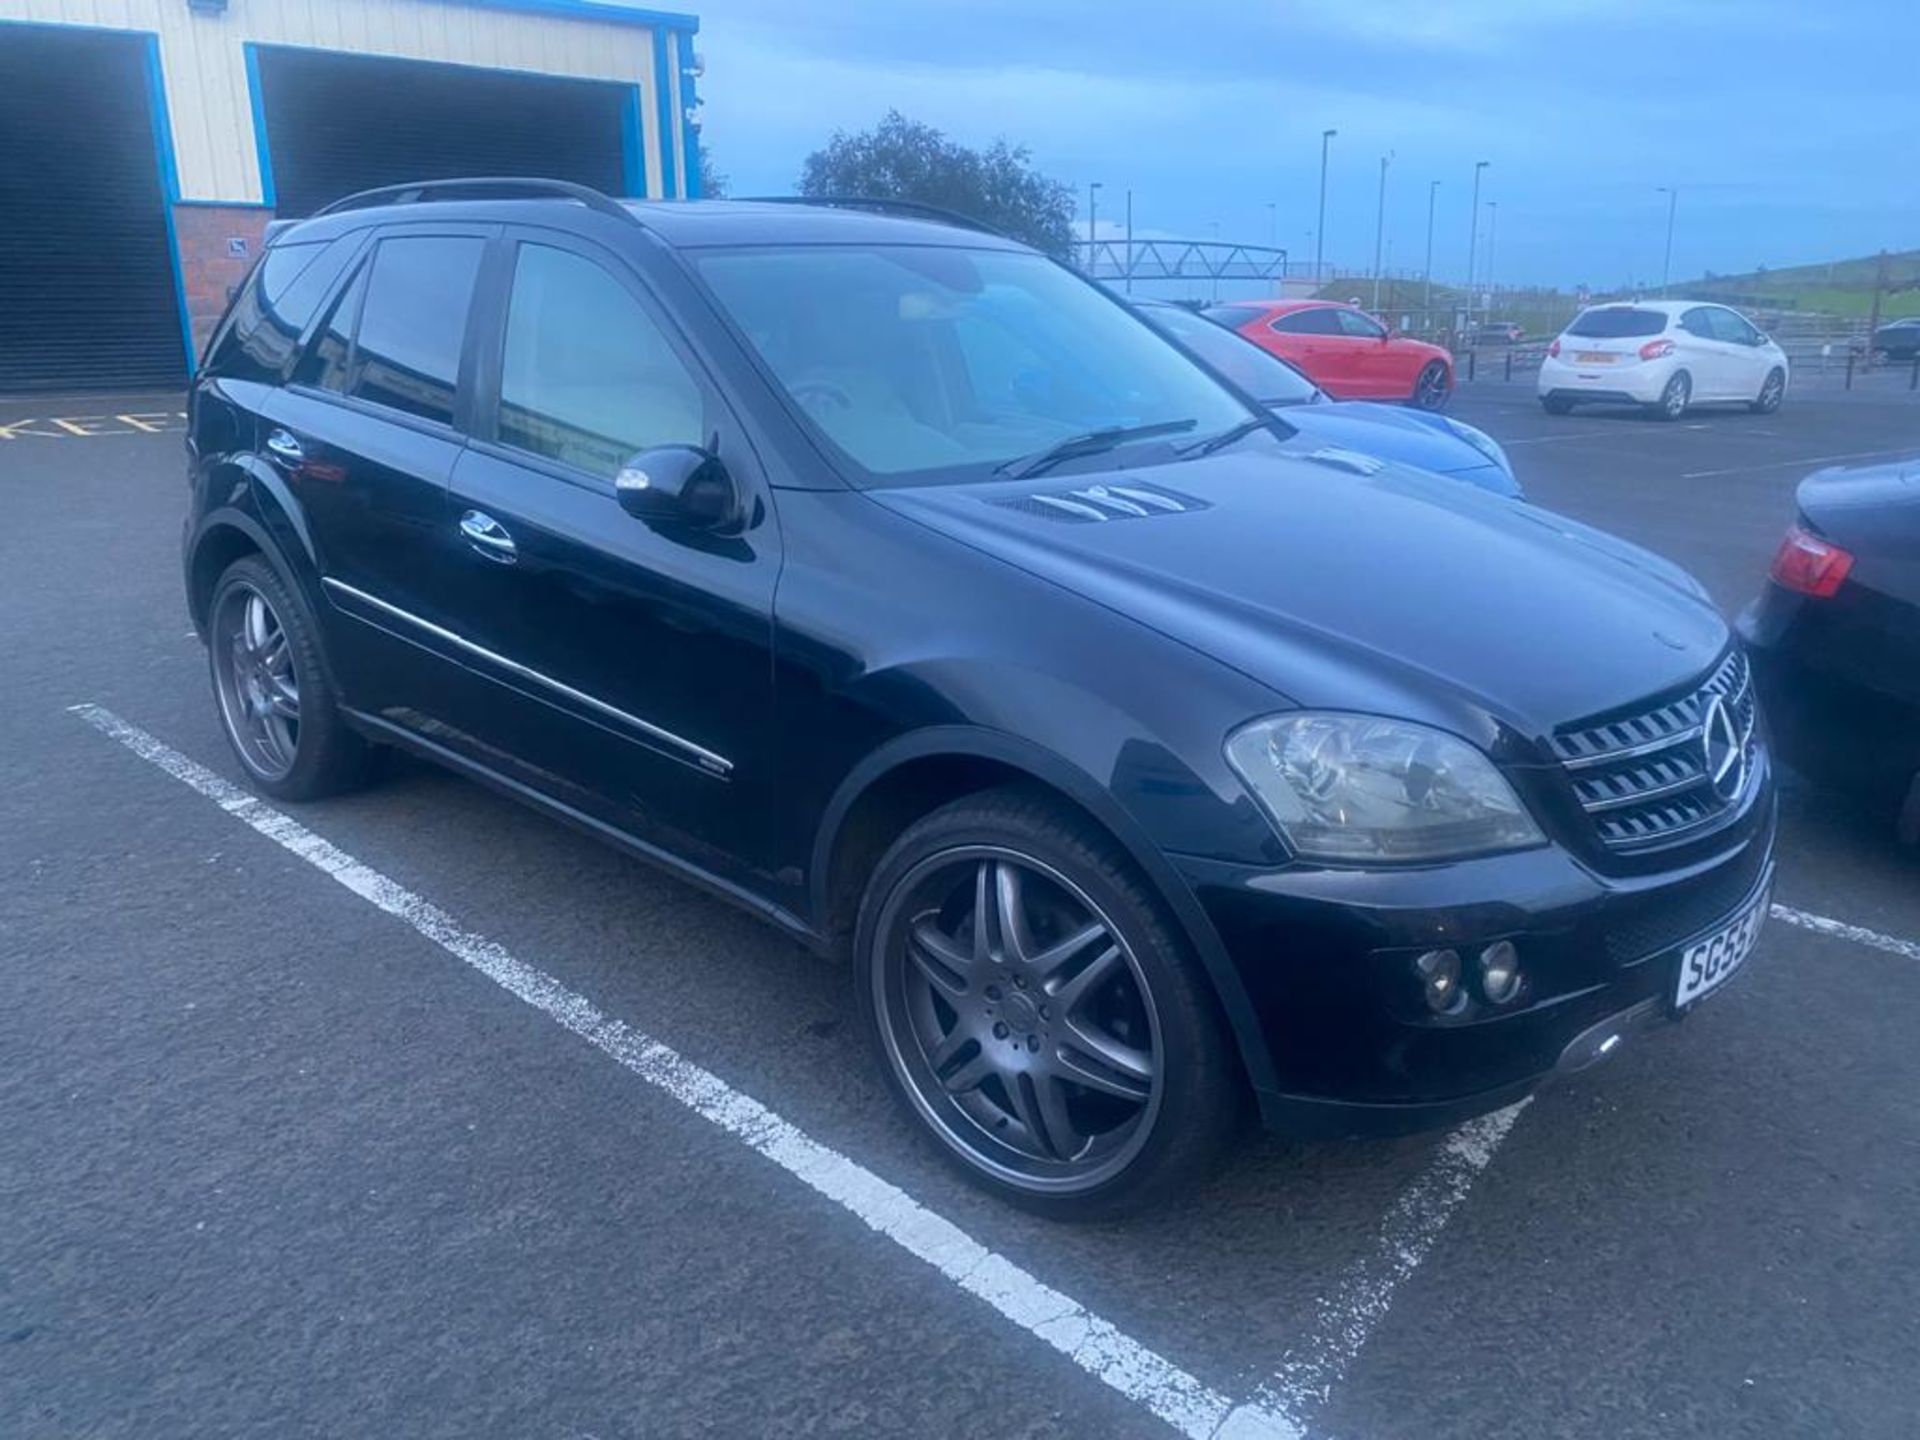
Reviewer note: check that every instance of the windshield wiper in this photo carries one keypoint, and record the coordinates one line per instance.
(1091, 443)
(1225, 437)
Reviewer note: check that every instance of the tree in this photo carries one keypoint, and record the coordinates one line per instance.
(902, 159)
(713, 183)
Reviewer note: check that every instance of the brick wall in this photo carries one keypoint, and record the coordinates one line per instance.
(208, 263)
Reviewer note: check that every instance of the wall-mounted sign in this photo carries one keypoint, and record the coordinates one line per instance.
(236, 247)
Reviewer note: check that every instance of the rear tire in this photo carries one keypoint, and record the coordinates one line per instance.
(1674, 400)
(274, 691)
(1556, 404)
(1772, 391)
(1432, 389)
(982, 1023)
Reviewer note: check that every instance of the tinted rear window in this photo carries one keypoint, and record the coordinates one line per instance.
(280, 298)
(1618, 323)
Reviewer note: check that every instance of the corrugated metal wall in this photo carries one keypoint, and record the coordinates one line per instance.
(211, 106)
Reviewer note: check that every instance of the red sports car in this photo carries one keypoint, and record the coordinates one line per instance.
(1344, 350)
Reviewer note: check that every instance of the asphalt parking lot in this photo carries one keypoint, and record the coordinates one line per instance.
(416, 1114)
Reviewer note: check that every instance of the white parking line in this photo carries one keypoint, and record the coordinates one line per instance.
(1841, 930)
(1359, 1302)
(1554, 439)
(1061, 1322)
(1795, 464)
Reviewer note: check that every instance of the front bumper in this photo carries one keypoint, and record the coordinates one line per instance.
(1326, 959)
(1639, 383)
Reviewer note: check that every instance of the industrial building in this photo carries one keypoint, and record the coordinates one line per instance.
(145, 144)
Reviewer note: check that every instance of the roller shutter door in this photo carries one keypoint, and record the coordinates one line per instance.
(340, 123)
(87, 295)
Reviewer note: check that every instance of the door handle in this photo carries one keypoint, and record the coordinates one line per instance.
(488, 537)
(285, 450)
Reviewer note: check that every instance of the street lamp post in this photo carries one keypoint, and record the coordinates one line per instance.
(1380, 228)
(1433, 193)
(1493, 235)
(1093, 205)
(1473, 230)
(1320, 225)
(1129, 240)
(1672, 192)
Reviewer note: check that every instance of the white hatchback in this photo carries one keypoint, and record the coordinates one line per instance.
(1664, 354)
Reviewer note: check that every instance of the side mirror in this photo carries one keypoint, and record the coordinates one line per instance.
(677, 485)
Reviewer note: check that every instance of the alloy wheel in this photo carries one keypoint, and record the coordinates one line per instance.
(257, 681)
(1018, 1018)
(1430, 390)
(1673, 400)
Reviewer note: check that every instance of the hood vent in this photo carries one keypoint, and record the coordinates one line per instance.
(1092, 504)
(1351, 460)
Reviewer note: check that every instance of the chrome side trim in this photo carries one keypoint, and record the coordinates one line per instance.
(718, 764)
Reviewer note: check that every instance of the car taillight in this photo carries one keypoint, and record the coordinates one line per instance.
(1554, 349)
(1810, 565)
(1656, 350)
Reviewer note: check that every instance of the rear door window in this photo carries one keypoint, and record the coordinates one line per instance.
(1234, 315)
(1310, 322)
(1619, 322)
(413, 323)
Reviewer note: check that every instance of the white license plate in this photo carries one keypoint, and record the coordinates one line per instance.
(1707, 965)
(1593, 357)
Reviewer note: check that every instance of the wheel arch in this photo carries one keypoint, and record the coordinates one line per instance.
(917, 773)
(260, 516)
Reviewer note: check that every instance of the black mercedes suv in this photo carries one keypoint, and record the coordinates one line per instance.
(887, 578)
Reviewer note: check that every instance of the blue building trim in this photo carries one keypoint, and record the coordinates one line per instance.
(689, 97)
(633, 145)
(597, 10)
(162, 126)
(257, 97)
(663, 114)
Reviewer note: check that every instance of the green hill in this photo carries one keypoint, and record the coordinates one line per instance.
(1838, 287)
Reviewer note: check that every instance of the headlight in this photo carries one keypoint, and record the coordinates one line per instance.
(1479, 440)
(1357, 788)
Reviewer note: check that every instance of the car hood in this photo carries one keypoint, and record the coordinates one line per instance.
(1345, 582)
(1412, 437)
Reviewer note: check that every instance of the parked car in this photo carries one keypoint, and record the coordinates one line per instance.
(1344, 350)
(1665, 355)
(1835, 635)
(1412, 437)
(896, 583)
(1496, 332)
(1898, 339)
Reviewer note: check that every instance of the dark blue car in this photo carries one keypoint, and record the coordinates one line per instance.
(1423, 438)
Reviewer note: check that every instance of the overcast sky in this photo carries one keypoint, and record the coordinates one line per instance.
(1788, 126)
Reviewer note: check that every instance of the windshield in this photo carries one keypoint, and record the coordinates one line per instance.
(923, 364)
(1267, 378)
(1618, 322)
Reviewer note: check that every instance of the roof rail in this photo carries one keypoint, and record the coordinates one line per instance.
(480, 187)
(886, 207)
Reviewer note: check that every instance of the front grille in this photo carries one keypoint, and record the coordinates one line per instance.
(1648, 925)
(1643, 777)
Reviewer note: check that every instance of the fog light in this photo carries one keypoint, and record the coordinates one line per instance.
(1439, 972)
(1500, 972)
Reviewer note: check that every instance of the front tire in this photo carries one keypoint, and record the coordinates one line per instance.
(1035, 1012)
(1431, 389)
(272, 688)
(1772, 391)
(1674, 400)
